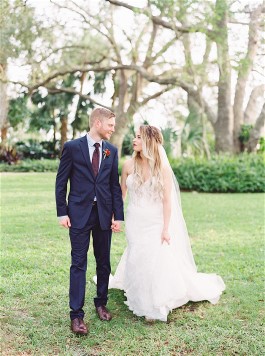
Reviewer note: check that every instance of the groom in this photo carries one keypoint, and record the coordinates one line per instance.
(94, 205)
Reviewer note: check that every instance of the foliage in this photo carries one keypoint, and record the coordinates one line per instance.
(170, 136)
(51, 106)
(127, 148)
(244, 134)
(223, 173)
(98, 42)
(192, 135)
(18, 110)
(9, 155)
(99, 83)
(81, 116)
(19, 29)
(261, 148)
(226, 236)
(27, 165)
(34, 149)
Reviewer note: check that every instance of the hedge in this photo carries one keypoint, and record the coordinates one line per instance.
(222, 173)
(27, 165)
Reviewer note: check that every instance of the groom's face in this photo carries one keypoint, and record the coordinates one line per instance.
(106, 128)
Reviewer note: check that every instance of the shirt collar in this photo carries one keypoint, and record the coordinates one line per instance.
(91, 142)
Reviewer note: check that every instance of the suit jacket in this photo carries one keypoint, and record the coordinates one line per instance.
(75, 165)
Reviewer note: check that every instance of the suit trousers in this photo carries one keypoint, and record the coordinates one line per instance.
(80, 240)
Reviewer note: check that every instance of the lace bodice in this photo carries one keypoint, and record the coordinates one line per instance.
(145, 193)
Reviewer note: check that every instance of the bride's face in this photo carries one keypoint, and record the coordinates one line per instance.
(137, 142)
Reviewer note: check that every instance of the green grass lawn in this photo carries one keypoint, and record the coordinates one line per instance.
(227, 233)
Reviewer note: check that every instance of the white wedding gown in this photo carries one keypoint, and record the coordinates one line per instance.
(159, 277)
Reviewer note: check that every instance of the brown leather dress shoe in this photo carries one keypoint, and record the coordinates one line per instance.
(103, 313)
(78, 326)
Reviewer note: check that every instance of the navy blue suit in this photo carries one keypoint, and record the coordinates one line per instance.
(86, 217)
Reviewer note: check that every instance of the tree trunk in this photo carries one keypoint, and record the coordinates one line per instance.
(254, 105)
(243, 75)
(224, 126)
(4, 134)
(3, 103)
(121, 129)
(256, 132)
(63, 130)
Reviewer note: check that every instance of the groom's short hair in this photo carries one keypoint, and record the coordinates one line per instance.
(100, 114)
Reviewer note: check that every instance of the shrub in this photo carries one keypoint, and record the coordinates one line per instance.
(34, 149)
(9, 155)
(223, 173)
(42, 165)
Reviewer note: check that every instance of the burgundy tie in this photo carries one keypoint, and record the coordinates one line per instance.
(95, 159)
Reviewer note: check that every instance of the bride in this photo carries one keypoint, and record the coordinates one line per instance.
(157, 270)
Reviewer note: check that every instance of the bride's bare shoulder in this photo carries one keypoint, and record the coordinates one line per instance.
(128, 166)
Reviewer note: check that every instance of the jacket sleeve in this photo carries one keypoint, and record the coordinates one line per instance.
(117, 201)
(62, 177)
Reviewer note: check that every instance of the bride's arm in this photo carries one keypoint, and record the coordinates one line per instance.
(124, 174)
(166, 203)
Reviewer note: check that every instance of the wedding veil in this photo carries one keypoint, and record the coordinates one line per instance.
(177, 226)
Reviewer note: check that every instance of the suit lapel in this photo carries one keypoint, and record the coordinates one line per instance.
(85, 151)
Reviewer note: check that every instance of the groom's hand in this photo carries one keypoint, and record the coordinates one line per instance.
(65, 222)
(116, 226)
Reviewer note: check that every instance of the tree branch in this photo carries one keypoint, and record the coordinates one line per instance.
(114, 43)
(87, 17)
(55, 90)
(164, 49)
(156, 19)
(151, 78)
(156, 95)
(69, 9)
(170, 80)
(149, 51)
(69, 47)
(137, 44)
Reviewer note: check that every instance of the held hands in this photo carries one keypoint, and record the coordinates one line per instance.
(165, 237)
(116, 226)
(65, 222)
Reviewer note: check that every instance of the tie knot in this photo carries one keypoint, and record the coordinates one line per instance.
(97, 145)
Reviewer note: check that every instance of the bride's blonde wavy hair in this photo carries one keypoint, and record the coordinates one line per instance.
(151, 140)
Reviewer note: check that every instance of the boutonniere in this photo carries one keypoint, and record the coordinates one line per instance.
(106, 153)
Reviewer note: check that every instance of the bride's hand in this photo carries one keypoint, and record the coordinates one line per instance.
(165, 237)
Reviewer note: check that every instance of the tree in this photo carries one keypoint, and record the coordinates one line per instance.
(52, 107)
(228, 120)
(128, 94)
(136, 59)
(19, 30)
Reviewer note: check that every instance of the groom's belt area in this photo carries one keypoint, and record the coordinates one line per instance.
(94, 203)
